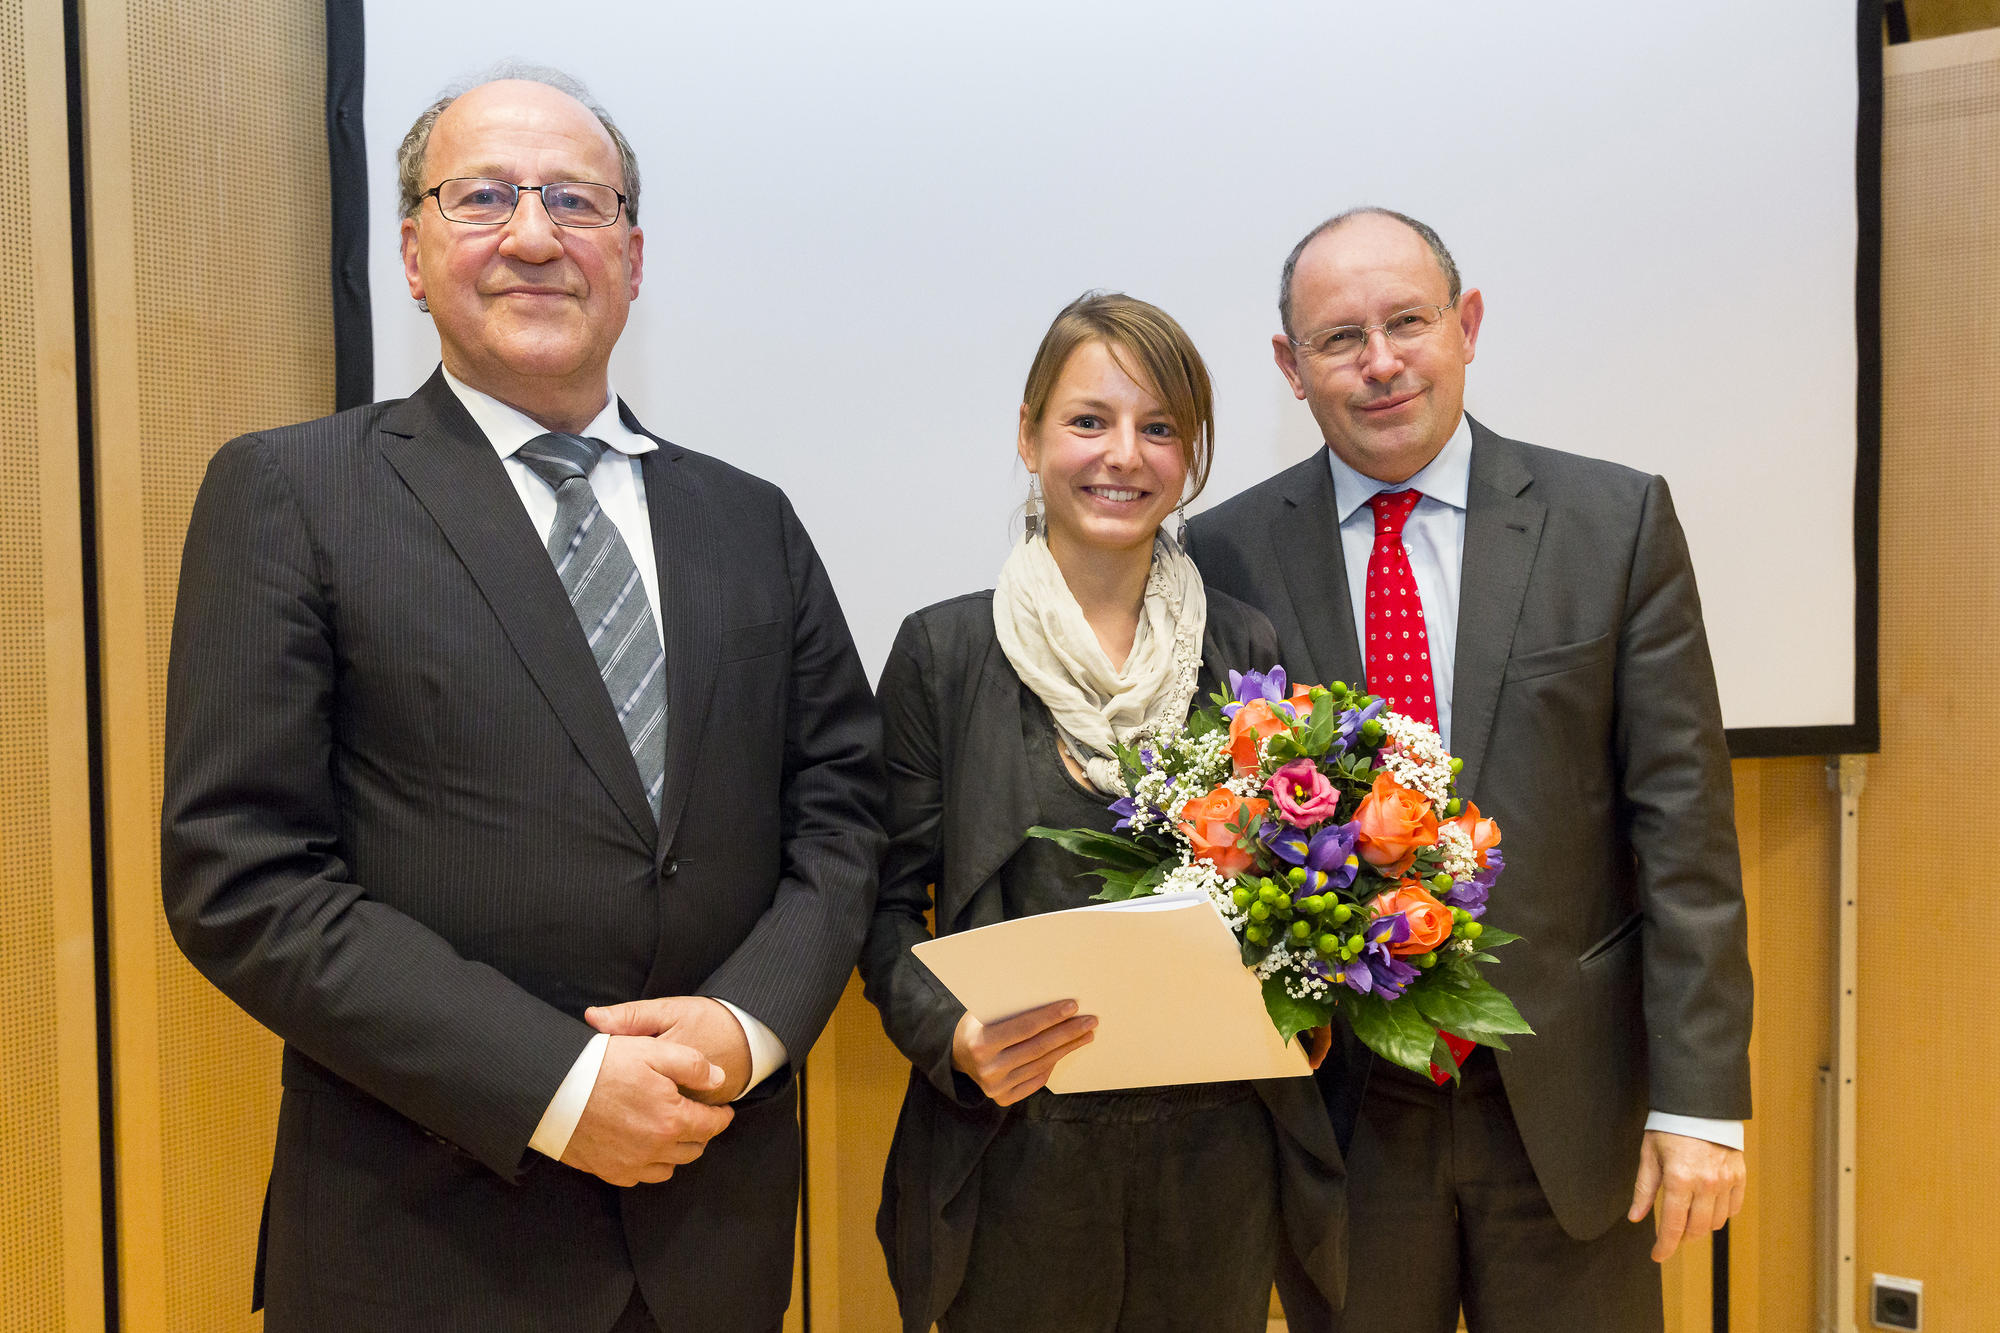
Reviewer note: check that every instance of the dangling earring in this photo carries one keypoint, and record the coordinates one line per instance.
(1031, 520)
(1180, 528)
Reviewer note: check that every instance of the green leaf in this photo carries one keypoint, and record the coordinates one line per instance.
(1492, 938)
(1393, 1030)
(1291, 1016)
(1106, 847)
(1320, 730)
(1471, 1009)
(1122, 884)
(1442, 1057)
(1201, 723)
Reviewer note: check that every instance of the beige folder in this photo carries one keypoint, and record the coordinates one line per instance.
(1163, 975)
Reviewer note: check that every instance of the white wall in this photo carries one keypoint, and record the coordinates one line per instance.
(861, 218)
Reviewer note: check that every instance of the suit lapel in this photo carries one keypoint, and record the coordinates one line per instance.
(1503, 527)
(1305, 546)
(993, 783)
(686, 546)
(451, 468)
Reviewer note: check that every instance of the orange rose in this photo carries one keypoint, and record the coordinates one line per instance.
(1395, 822)
(1206, 820)
(1483, 832)
(1430, 920)
(1253, 722)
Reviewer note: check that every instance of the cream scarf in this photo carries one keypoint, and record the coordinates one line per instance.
(1056, 654)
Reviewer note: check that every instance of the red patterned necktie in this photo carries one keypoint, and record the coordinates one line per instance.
(1398, 650)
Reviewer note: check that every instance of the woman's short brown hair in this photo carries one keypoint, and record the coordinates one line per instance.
(1148, 345)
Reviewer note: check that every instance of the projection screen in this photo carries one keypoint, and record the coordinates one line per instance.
(860, 219)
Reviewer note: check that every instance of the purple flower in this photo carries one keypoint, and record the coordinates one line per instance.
(1328, 855)
(1124, 809)
(1351, 722)
(1375, 970)
(1471, 895)
(1247, 685)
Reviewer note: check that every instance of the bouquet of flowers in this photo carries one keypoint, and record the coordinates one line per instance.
(1326, 830)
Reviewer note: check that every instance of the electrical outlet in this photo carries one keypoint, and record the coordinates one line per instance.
(1897, 1302)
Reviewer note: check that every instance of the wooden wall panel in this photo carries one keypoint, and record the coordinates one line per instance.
(1929, 1162)
(209, 244)
(1790, 838)
(51, 1256)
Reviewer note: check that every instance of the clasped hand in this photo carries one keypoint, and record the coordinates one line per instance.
(669, 1069)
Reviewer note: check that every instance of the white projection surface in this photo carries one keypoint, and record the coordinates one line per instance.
(860, 219)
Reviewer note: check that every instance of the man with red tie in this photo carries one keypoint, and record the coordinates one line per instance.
(1539, 608)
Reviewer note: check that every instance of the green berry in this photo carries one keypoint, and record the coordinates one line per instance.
(1301, 930)
(1260, 911)
(1296, 876)
(1328, 945)
(1256, 934)
(1457, 764)
(1454, 806)
(1269, 893)
(1342, 914)
(1473, 930)
(1240, 896)
(1428, 960)
(1441, 882)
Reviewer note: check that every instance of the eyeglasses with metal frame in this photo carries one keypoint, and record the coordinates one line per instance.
(480, 201)
(1344, 342)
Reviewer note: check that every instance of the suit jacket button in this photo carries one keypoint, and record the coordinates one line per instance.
(670, 868)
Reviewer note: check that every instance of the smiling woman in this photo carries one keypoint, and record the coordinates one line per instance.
(1005, 1206)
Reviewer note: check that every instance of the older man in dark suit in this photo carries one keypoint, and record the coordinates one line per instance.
(522, 776)
(1540, 608)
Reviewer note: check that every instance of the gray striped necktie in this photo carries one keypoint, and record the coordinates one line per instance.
(609, 600)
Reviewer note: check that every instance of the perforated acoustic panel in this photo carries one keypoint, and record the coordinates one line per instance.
(30, 1260)
(1929, 1165)
(210, 244)
(50, 1241)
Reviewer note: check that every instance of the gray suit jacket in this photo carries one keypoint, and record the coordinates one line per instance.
(402, 828)
(1584, 707)
(960, 803)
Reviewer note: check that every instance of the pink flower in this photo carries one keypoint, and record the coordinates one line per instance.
(1302, 794)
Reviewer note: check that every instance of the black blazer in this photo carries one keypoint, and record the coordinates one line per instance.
(1584, 707)
(403, 830)
(960, 803)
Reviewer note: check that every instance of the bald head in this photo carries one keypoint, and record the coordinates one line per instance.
(1447, 266)
(512, 80)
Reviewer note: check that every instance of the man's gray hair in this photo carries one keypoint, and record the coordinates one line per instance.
(410, 157)
(1430, 238)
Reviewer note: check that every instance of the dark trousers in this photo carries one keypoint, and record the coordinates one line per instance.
(1154, 1211)
(638, 1319)
(1444, 1208)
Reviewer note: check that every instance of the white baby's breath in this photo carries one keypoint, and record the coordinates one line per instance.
(1415, 756)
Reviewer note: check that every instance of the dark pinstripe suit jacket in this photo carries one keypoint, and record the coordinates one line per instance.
(1584, 707)
(402, 829)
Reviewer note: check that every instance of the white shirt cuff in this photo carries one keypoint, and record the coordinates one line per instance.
(551, 1136)
(1728, 1133)
(767, 1053)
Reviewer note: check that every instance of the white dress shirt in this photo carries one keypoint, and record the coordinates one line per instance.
(621, 493)
(1434, 538)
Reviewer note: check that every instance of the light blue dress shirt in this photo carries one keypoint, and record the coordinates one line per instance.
(1434, 538)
